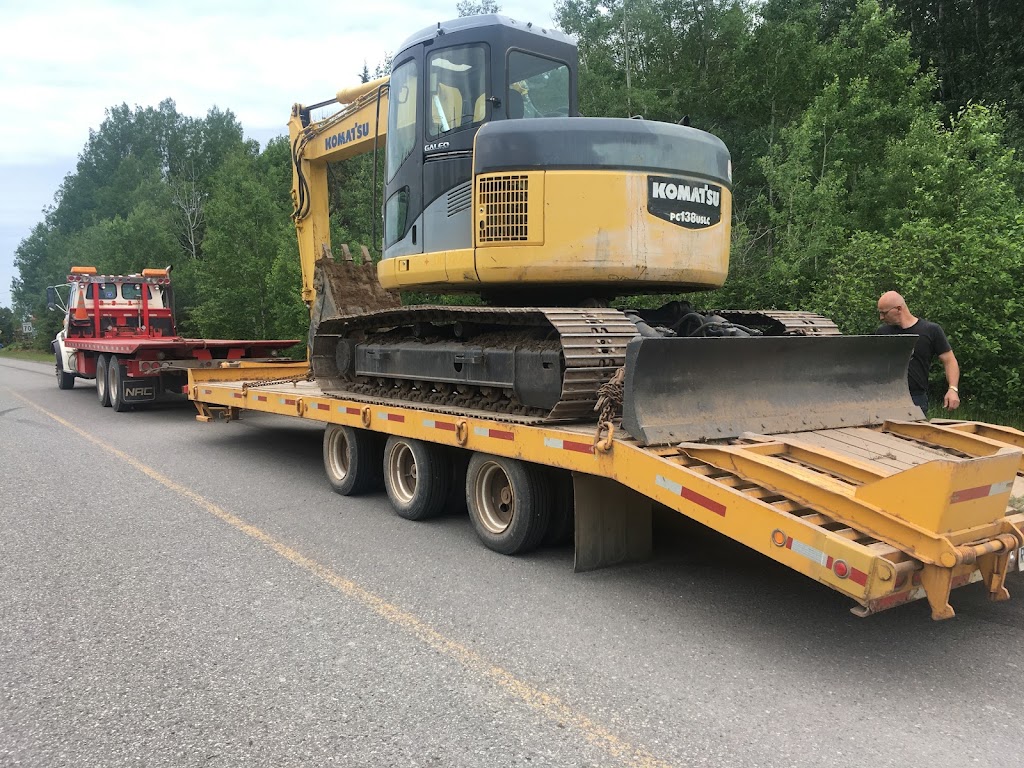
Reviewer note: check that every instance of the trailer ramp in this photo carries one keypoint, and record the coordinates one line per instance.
(927, 518)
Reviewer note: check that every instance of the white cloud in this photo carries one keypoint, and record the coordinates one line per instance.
(64, 62)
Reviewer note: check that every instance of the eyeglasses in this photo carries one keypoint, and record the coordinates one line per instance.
(884, 312)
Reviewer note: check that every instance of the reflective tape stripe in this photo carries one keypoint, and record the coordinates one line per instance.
(807, 551)
(568, 445)
(690, 495)
(501, 434)
(445, 425)
(981, 492)
(390, 416)
(815, 555)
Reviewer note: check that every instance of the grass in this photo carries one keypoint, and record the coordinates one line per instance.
(19, 353)
(973, 412)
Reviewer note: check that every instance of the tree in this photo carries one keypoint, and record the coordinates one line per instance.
(6, 326)
(469, 8)
(189, 201)
(824, 172)
(247, 226)
(954, 247)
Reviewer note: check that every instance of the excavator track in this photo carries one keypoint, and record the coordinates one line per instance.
(780, 322)
(591, 343)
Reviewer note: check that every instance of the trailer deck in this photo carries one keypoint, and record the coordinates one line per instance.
(884, 515)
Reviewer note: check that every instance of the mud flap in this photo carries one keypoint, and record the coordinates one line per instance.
(139, 390)
(613, 523)
(693, 390)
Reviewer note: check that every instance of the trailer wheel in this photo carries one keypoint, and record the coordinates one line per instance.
(115, 377)
(353, 460)
(417, 476)
(509, 502)
(102, 390)
(64, 380)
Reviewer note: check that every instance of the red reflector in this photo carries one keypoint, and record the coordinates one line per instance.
(841, 569)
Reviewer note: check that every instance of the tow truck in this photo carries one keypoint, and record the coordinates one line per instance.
(120, 330)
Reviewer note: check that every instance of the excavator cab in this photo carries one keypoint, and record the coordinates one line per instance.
(495, 186)
(446, 82)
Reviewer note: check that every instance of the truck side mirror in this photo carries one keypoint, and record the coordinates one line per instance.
(51, 298)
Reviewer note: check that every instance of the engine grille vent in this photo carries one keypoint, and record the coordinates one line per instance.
(504, 202)
(460, 198)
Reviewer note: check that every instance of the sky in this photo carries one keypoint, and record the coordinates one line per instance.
(63, 63)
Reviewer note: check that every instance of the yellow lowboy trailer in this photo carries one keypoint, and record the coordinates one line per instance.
(885, 514)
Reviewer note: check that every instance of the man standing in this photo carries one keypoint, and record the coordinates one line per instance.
(931, 341)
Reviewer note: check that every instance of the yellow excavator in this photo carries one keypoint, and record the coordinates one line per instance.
(495, 186)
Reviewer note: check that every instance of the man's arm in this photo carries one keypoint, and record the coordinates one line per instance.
(952, 399)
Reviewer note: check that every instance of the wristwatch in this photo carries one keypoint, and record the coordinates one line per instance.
(955, 389)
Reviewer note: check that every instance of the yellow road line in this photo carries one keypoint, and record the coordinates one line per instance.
(550, 706)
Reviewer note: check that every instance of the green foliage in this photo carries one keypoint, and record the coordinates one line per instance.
(470, 8)
(955, 252)
(6, 326)
(247, 227)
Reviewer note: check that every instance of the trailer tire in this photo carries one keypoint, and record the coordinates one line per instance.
(509, 502)
(115, 377)
(417, 476)
(65, 380)
(102, 388)
(353, 460)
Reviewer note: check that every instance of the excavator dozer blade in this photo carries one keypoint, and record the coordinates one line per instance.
(347, 288)
(699, 389)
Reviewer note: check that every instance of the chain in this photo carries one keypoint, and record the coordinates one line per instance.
(307, 376)
(609, 405)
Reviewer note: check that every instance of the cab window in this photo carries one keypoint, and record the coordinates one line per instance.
(133, 292)
(457, 92)
(107, 291)
(537, 86)
(401, 115)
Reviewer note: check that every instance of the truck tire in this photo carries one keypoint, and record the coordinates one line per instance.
(65, 380)
(353, 460)
(115, 378)
(417, 477)
(509, 502)
(102, 390)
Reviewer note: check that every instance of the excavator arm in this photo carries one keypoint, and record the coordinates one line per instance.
(358, 128)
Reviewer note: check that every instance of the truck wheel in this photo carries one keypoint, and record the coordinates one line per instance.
(417, 477)
(509, 502)
(353, 459)
(115, 377)
(102, 391)
(64, 380)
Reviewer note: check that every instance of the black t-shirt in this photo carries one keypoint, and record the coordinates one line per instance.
(931, 342)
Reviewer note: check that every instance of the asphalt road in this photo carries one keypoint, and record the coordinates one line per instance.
(183, 594)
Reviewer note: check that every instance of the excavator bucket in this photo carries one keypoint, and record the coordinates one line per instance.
(699, 389)
(346, 288)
